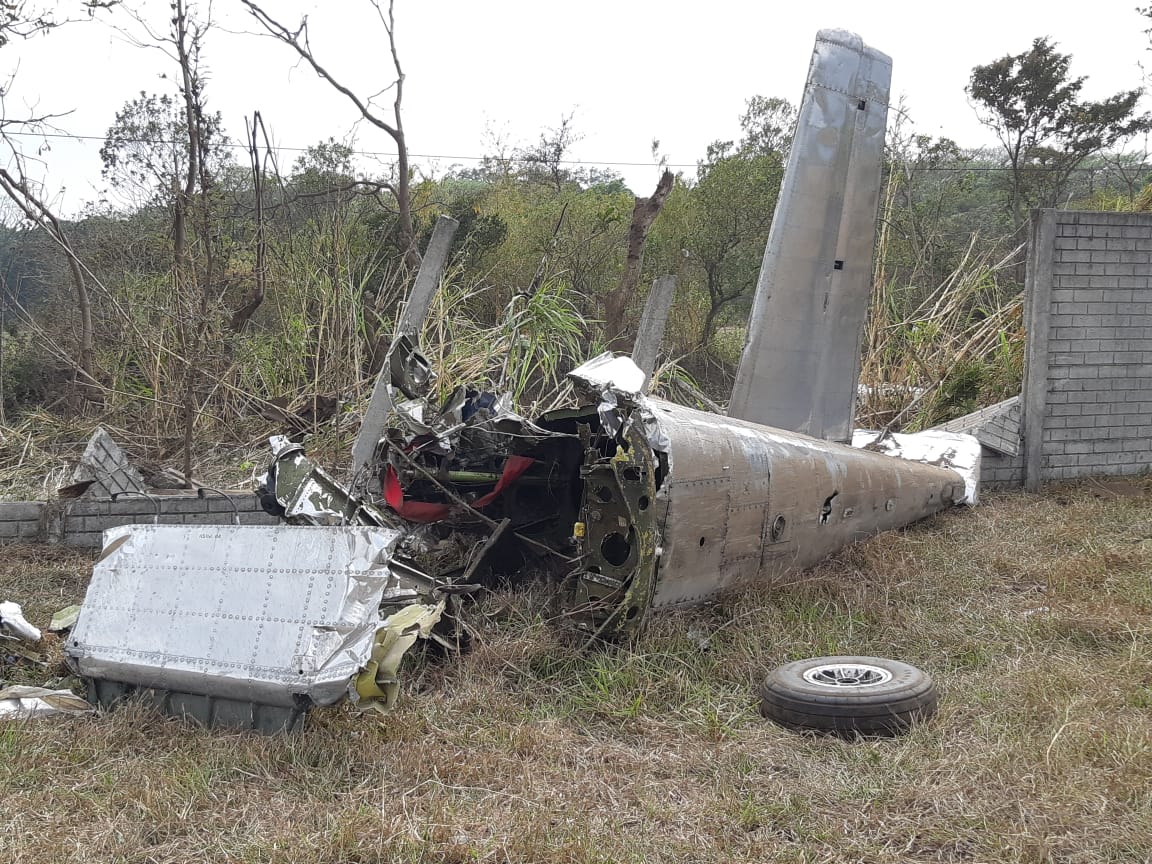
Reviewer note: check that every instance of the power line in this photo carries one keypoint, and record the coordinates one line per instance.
(236, 145)
(973, 169)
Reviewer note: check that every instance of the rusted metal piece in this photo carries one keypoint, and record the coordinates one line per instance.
(801, 358)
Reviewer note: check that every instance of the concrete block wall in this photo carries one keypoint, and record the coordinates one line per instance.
(1087, 399)
(1000, 470)
(82, 522)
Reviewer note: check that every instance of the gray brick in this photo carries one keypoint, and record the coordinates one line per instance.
(1110, 446)
(1078, 447)
(84, 507)
(30, 530)
(1084, 422)
(16, 510)
(245, 502)
(183, 504)
(84, 539)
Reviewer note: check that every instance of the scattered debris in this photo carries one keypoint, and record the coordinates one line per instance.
(625, 503)
(64, 619)
(105, 468)
(848, 696)
(14, 625)
(21, 702)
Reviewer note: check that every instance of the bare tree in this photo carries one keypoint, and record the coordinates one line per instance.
(16, 186)
(298, 40)
(21, 20)
(195, 263)
(644, 213)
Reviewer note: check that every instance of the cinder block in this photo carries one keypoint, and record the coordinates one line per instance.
(84, 539)
(1083, 422)
(30, 530)
(243, 502)
(1078, 447)
(15, 511)
(85, 507)
(183, 504)
(209, 518)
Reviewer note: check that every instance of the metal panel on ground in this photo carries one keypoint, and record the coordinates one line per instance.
(253, 616)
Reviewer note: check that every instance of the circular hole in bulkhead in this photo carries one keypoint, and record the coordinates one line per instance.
(642, 502)
(632, 475)
(603, 493)
(615, 548)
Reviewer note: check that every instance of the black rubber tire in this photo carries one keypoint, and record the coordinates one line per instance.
(885, 708)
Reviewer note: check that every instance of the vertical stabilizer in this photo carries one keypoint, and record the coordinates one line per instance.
(801, 359)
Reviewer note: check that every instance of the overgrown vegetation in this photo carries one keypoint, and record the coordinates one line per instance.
(222, 298)
(1031, 612)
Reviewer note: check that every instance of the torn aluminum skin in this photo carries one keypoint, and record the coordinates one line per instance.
(744, 502)
(19, 702)
(235, 625)
(692, 504)
(956, 450)
(13, 624)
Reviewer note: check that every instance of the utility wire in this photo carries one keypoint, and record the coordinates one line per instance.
(977, 169)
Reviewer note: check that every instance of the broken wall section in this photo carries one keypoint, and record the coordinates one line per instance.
(1087, 398)
(82, 522)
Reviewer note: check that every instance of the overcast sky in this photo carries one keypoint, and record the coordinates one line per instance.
(629, 70)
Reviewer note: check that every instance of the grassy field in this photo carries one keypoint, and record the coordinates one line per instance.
(1033, 613)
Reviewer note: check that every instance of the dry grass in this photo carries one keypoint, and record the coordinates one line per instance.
(1033, 614)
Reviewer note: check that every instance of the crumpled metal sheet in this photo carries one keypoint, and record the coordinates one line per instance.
(955, 450)
(13, 623)
(272, 615)
(21, 702)
(608, 372)
(378, 686)
(744, 501)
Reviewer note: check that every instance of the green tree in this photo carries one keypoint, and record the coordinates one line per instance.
(145, 153)
(733, 203)
(1046, 130)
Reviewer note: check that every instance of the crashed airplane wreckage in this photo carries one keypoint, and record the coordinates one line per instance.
(629, 504)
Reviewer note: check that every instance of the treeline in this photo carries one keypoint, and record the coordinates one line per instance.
(226, 291)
